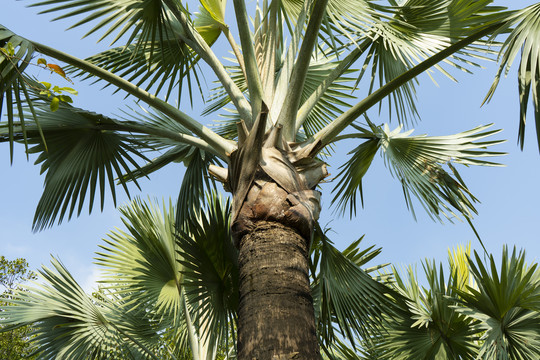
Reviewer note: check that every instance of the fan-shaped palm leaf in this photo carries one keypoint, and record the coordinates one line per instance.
(506, 305)
(524, 38)
(156, 53)
(417, 30)
(210, 271)
(70, 324)
(345, 296)
(144, 259)
(144, 265)
(81, 154)
(431, 328)
(417, 162)
(150, 19)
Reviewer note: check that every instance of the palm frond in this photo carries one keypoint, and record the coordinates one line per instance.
(70, 324)
(417, 162)
(346, 298)
(144, 259)
(156, 53)
(431, 328)
(166, 71)
(342, 18)
(161, 273)
(417, 30)
(81, 153)
(147, 19)
(16, 54)
(523, 37)
(506, 305)
(210, 271)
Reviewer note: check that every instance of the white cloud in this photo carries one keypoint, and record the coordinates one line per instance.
(90, 282)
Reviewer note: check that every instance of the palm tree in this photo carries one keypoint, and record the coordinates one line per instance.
(170, 295)
(287, 100)
(165, 295)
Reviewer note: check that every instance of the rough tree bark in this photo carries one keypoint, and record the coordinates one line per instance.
(275, 207)
(273, 229)
(275, 318)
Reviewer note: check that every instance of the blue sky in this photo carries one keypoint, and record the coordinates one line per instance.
(508, 212)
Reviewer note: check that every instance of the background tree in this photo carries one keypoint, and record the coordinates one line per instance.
(289, 93)
(15, 343)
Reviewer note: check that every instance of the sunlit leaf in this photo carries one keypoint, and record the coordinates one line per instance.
(419, 162)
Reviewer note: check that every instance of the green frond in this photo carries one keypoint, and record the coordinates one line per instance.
(346, 298)
(81, 154)
(342, 18)
(352, 173)
(148, 19)
(506, 305)
(143, 260)
(140, 65)
(430, 328)
(338, 350)
(418, 163)
(71, 324)
(417, 30)
(525, 31)
(156, 54)
(16, 54)
(210, 270)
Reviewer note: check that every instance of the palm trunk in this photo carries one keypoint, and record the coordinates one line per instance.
(276, 315)
(275, 207)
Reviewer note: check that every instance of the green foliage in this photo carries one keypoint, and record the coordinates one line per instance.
(171, 277)
(170, 295)
(479, 311)
(423, 165)
(15, 343)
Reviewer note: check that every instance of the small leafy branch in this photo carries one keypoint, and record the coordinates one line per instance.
(54, 92)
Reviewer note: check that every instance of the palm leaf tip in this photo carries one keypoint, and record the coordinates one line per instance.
(524, 30)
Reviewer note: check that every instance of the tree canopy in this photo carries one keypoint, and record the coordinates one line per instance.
(302, 79)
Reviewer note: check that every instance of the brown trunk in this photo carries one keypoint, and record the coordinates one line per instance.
(275, 207)
(276, 315)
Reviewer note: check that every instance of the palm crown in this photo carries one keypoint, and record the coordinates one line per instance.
(285, 98)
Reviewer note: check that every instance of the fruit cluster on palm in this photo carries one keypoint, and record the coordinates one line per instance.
(286, 98)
